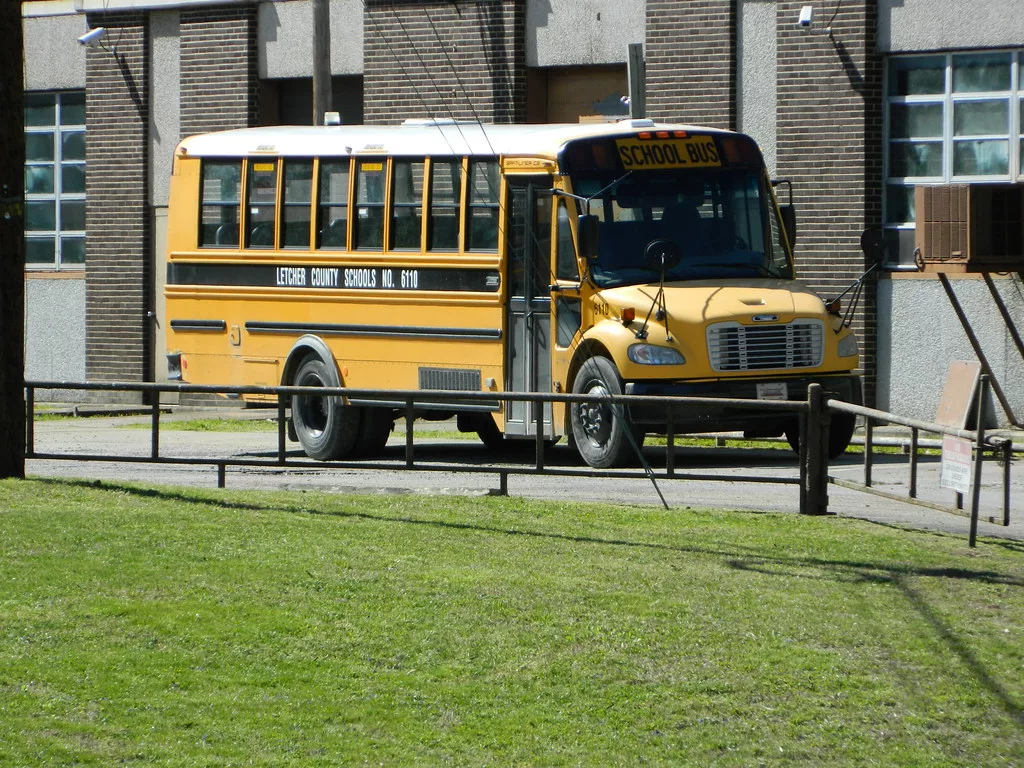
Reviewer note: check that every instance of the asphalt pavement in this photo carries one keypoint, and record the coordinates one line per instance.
(730, 477)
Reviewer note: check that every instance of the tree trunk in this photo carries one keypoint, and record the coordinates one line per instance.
(12, 244)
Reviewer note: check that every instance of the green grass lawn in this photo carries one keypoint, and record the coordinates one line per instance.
(186, 627)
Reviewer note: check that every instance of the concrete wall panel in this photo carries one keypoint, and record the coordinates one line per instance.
(164, 125)
(561, 33)
(55, 331)
(758, 74)
(927, 25)
(286, 38)
(54, 58)
(923, 336)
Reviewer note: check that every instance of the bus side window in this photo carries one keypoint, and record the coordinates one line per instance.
(483, 206)
(445, 199)
(566, 267)
(221, 192)
(407, 205)
(261, 198)
(332, 210)
(368, 229)
(296, 200)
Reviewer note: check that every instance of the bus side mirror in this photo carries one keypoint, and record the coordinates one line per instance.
(788, 213)
(587, 235)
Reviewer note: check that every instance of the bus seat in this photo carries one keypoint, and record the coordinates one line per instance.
(407, 231)
(227, 234)
(262, 235)
(683, 224)
(333, 235)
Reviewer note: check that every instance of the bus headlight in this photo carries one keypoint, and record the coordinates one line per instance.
(848, 346)
(649, 354)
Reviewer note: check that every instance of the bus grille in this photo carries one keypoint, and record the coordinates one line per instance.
(735, 347)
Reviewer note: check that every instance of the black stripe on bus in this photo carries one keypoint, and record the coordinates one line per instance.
(319, 277)
(198, 325)
(378, 331)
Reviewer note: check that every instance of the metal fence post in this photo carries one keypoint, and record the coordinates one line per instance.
(155, 416)
(979, 456)
(282, 425)
(30, 423)
(816, 502)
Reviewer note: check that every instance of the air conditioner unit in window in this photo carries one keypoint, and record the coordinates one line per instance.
(970, 228)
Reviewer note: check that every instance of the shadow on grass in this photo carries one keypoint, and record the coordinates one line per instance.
(849, 571)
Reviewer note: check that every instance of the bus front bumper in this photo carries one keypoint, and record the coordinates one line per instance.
(723, 417)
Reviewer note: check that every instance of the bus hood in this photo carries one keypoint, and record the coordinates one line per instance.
(704, 302)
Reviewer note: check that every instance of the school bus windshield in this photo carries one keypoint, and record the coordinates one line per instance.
(722, 222)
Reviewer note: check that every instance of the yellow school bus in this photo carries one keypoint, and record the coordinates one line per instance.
(630, 257)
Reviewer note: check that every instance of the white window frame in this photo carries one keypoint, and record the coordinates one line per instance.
(948, 99)
(58, 195)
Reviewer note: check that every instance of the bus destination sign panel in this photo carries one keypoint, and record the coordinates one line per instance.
(650, 154)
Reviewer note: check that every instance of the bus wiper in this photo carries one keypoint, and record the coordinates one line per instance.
(761, 269)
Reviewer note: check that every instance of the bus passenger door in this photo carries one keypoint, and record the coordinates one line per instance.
(528, 364)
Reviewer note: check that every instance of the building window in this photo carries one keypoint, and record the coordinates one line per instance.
(950, 118)
(55, 180)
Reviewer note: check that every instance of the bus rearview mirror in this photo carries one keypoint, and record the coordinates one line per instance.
(788, 213)
(587, 233)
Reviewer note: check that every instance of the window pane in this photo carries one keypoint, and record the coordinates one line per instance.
(72, 250)
(915, 158)
(408, 184)
(73, 145)
(39, 179)
(219, 226)
(915, 121)
(263, 183)
(899, 204)
(72, 215)
(981, 72)
(39, 109)
(72, 178)
(369, 223)
(407, 191)
(981, 158)
(483, 229)
(298, 181)
(72, 109)
(370, 183)
(981, 118)
(222, 182)
(298, 195)
(333, 208)
(38, 146)
(40, 215)
(40, 250)
(445, 200)
(916, 75)
(484, 185)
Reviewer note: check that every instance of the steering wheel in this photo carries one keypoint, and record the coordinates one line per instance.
(662, 255)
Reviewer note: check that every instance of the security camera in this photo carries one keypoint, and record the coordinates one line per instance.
(93, 36)
(806, 16)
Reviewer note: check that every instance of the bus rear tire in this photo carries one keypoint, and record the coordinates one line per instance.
(600, 430)
(840, 433)
(326, 427)
(375, 427)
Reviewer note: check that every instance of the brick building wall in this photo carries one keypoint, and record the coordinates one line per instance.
(434, 58)
(690, 53)
(219, 77)
(829, 124)
(118, 268)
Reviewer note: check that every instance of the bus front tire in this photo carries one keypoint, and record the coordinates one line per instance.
(326, 427)
(840, 433)
(601, 431)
